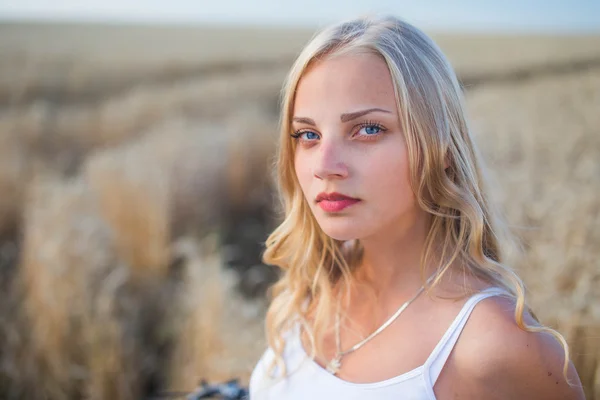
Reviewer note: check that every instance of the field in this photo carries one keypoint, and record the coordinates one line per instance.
(135, 191)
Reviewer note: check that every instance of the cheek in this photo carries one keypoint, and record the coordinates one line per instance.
(303, 172)
(389, 179)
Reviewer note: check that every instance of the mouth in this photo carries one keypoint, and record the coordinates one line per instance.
(335, 202)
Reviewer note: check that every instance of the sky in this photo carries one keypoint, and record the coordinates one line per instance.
(458, 15)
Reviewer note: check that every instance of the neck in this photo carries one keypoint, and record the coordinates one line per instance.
(391, 262)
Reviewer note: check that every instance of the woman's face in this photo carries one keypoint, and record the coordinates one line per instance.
(349, 142)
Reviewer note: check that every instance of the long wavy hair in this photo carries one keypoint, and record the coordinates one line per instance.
(466, 234)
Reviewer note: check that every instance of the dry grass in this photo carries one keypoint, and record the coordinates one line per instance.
(15, 170)
(543, 146)
(110, 308)
(126, 178)
(88, 312)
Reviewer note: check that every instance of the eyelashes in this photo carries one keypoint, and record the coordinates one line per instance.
(298, 133)
(356, 129)
(372, 124)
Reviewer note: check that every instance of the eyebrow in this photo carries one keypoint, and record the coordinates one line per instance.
(343, 117)
(353, 115)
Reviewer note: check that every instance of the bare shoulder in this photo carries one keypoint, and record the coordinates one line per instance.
(501, 361)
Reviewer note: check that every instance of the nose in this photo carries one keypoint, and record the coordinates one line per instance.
(329, 162)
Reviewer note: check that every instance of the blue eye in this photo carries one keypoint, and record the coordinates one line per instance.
(372, 129)
(307, 135)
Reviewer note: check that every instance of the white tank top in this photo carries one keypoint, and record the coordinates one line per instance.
(308, 380)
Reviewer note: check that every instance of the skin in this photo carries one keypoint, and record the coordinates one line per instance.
(365, 162)
(341, 148)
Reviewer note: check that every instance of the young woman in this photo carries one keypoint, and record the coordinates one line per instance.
(393, 282)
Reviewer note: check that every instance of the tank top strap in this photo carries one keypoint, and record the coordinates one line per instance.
(438, 357)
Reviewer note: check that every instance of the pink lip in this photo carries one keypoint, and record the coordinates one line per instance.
(334, 202)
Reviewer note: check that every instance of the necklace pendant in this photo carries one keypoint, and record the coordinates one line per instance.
(334, 365)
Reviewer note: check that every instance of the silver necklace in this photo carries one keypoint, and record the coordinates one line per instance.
(336, 363)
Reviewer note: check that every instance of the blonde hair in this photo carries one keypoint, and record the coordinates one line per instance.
(446, 176)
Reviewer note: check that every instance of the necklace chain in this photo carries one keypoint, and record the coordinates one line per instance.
(336, 363)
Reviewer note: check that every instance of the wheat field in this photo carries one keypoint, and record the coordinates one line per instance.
(135, 192)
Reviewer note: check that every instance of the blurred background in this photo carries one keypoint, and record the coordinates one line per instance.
(136, 142)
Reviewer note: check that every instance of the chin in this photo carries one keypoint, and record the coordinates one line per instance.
(341, 230)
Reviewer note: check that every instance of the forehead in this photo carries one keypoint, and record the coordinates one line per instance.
(345, 83)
